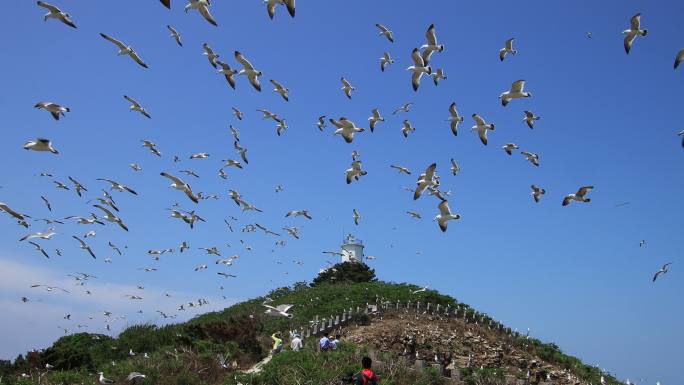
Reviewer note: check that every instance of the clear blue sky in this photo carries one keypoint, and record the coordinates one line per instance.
(574, 275)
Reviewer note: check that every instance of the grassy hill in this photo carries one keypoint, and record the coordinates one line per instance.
(186, 353)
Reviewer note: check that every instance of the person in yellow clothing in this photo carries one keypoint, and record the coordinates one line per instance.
(277, 343)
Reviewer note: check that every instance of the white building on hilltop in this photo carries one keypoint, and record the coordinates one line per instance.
(352, 249)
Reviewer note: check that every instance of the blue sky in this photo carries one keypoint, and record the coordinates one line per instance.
(574, 275)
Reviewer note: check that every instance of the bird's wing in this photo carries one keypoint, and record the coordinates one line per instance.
(113, 40)
(133, 101)
(452, 109)
(483, 136)
(345, 83)
(134, 56)
(276, 84)
(584, 190)
(415, 80)
(284, 308)
(444, 208)
(517, 86)
(628, 40)
(635, 22)
(107, 212)
(679, 58)
(478, 120)
(175, 179)
(430, 172)
(290, 5)
(167, 3)
(382, 27)
(83, 244)
(11, 212)
(430, 35)
(204, 11)
(509, 43)
(49, 7)
(245, 63)
(255, 82)
(417, 59)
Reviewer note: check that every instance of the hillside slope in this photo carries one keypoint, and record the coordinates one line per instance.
(188, 353)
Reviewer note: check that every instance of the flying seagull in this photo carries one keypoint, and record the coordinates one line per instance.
(47, 236)
(418, 68)
(40, 144)
(375, 118)
(405, 108)
(531, 157)
(299, 213)
(509, 147)
(356, 216)
(135, 106)
(662, 270)
(211, 56)
(280, 310)
(202, 6)
(355, 172)
(53, 108)
(346, 128)
(482, 127)
(56, 13)
(438, 75)
(385, 60)
(425, 180)
(271, 6)
(516, 92)
(537, 192)
(530, 118)
(111, 217)
(39, 248)
(228, 72)
(125, 49)
(633, 31)
(401, 169)
(384, 31)
(178, 184)
(284, 92)
(84, 246)
(454, 118)
(455, 169)
(321, 123)
(118, 186)
(238, 114)
(508, 48)
(578, 196)
(407, 128)
(445, 215)
(347, 87)
(431, 46)
(175, 35)
(249, 71)
(47, 203)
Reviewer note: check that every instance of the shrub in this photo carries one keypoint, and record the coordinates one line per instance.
(346, 272)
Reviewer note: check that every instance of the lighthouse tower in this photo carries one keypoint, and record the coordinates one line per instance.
(352, 249)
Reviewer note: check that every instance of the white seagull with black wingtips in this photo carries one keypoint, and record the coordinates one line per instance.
(125, 49)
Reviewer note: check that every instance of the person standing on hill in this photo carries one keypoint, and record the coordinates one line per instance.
(334, 343)
(296, 343)
(277, 343)
(366, 376)
(324, 343)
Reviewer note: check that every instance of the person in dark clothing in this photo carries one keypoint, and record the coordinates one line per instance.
(366, 376)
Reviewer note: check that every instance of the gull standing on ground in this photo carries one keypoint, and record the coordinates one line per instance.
(384, 31)
(530, 118)
(425, 180)
(508, 48)
(455, 169)
(84, 246)
(202, 6)
(445, 215)
(431, 46)
(355, 172)
(249, 71)
(385, 60)
(407, 128)
(405, 108)
(516, 92)
(111, 217)
(284, 92)
(375, 118)
(537, 192)
(175, 35)
(125, 50)
(418, 68)
(271, 6)
(40, 144)
(633, 31)
(135, 106)
(347, 87)
(321, 123)
(509, 147)
(438, 75)
(346, 128)
(53, 108)
(356, 216)
(679, 58)
(401, 169)
(532, 157)
(118, 186)
(56, 13)
(578, 196)
(482, 127)
(228, 72)
(178, 184)
(662, 270)
(104, 380)
(211, 56)
(454, 118)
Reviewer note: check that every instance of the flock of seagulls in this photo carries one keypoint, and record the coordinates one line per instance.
(103, 209)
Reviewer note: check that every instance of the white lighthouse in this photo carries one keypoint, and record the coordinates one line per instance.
(352, 249)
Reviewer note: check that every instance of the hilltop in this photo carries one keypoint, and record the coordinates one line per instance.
(380, 319)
